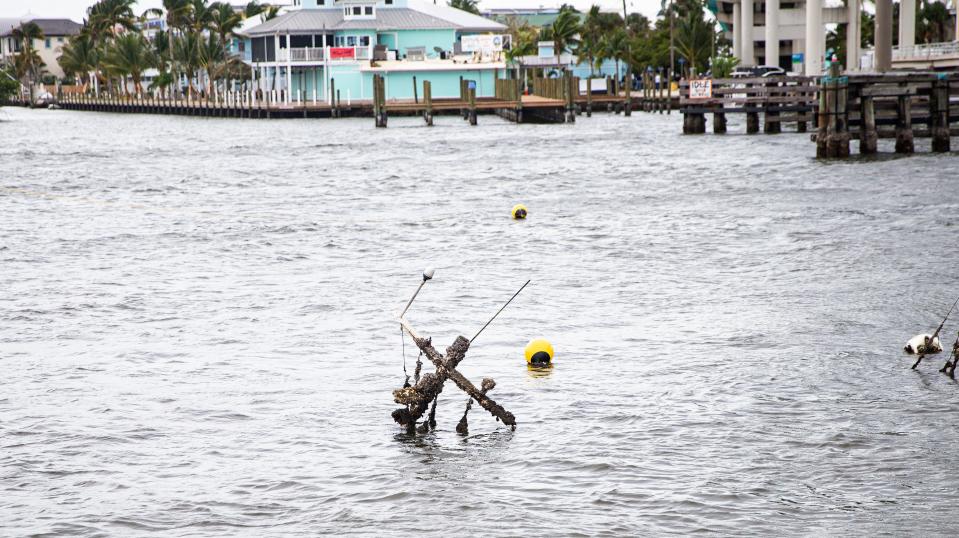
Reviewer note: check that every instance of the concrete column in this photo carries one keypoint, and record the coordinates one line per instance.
(772, 32)
(883, 58)
(746, 33)
(815, 37)
(907, 23)
(738, 31)
(853, 34)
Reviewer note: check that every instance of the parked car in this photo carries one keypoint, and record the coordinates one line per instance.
(758, 71)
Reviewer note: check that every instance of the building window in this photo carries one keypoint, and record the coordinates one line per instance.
(351, 41)
(364, 41)
(321, 2)
(339, 41)
(368, 10)
(59, 40)
(389, 2)
(48, 42)
(346, 11)
(357, 10)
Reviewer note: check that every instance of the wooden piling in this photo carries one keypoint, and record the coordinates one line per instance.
(939, 114)
(628, 104)
(868, 136)
(904, 138)
(428, 101)
(771, 123)
(719, 120)
(334, 112)
(589, 97)
(472, 105)
(416, 97)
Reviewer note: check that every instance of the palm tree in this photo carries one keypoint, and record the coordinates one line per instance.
(694, 39)
(616, 47)
(27, 62)
(130, 55)
(466, 5)
(253, 9)
(176, 14)
(591, 35)
(224, 20)
(80, 58)
(522, 41)
(564, 32)
(201, 15)
(270, 13)
(212, 55)
(186, 53)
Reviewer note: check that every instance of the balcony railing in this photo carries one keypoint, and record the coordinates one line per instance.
(926, 51)
(319, 54)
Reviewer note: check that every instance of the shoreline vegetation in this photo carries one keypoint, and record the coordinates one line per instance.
(195, 55)
(194, 51)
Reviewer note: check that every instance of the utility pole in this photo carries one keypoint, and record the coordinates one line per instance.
(672, 49)
(629, 42)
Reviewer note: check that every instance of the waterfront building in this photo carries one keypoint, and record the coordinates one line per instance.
(323, 44)
(792, 33)
(56, 33)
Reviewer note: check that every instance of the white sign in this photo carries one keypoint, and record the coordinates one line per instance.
(486, 44)
(701, 88)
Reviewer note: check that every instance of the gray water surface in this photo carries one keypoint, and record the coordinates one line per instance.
(197, 331)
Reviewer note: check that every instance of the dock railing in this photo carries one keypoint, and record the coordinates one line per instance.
(780, 99)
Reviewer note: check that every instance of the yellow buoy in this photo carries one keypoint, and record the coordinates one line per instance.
(519, 211)
(539, 352)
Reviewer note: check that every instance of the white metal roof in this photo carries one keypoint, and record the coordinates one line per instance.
(424, 16)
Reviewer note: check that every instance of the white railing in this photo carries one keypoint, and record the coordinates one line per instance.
(319, 54)
(926, 52)
(311, 54)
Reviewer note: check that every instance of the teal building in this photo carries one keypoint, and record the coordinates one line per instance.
(325, 44)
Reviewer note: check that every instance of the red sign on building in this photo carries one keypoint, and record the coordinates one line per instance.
(342, 53)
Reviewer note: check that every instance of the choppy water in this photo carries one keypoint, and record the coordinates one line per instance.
(197, 331)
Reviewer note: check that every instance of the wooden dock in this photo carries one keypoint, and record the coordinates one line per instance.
(551, 101)
(778, 99)
(897, 105)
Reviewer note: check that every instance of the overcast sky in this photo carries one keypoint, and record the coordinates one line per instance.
(75, 9)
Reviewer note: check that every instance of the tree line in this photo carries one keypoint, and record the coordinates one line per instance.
(112, 51)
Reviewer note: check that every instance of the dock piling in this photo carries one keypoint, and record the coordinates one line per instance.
(904, 138)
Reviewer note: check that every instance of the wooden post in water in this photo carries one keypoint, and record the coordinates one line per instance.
(428, 100)
(669, 91)
(904, 139)
(379, 100)
(628, 105)
(719, 120)
(589, 97)
(839, 141)
(416, 98)
(825, 107)
(518, 93)
(939, 113)
(472, 105)
(333, 95)
(771, 123)
(868, 136)
(752, 117)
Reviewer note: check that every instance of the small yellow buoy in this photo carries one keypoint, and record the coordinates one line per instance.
(519, 211)
(539, 352)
